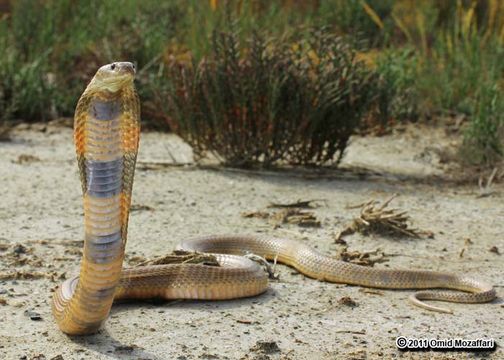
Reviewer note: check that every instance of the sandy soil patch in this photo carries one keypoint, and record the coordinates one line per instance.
(297, 318)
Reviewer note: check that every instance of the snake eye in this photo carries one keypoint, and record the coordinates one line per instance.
(113, 66)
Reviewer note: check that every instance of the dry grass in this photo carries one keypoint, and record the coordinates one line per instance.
(4, 132)
(183, 257)
(376, 218)
(287, 215)
(366, 258)
(304, 204)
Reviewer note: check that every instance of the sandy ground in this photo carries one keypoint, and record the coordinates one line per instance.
(297, 318)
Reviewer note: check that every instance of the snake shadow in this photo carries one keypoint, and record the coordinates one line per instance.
(201, 305)
(344, 177)
(106, 344)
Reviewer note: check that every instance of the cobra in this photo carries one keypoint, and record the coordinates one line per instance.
(106, 134)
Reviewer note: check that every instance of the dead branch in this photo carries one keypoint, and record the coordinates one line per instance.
(304, 204)
(378, 218)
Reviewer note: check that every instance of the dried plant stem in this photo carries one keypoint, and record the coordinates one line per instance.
(183, 257)
(380, 219)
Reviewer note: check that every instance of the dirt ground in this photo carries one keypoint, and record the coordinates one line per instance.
(41, 228)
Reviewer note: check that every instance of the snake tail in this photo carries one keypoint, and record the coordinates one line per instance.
(325, 268)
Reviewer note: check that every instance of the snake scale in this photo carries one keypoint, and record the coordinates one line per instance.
(106, 134)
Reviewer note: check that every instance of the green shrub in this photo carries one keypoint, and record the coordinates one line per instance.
(397, 93)
(484, 138)
(461, 74)
(368, 19)
(282, 100)
(51, 48)
(24, 91)
(201, 20)
(450, 77)
(6, 102)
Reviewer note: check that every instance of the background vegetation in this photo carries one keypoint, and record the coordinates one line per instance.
(293, 100)
(417, 59)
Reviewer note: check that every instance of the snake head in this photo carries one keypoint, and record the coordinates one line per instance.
(113, 77)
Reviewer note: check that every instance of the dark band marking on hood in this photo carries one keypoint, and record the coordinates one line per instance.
(105, 110)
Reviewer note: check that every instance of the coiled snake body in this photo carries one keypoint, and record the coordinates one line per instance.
(106, 134)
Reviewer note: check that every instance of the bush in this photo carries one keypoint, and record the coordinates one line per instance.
(370, 19)
(484, 138)
(6, 103)
(451, 76)
(462, 73)
(50, 48)
(397, 93)
(283, 100)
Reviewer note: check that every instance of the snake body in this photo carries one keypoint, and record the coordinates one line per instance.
(106, 134)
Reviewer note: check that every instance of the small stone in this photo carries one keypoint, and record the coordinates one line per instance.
(266, 347)
(125, 348)
(20, 249)
(35, 316)
(495, 250)
(347, 301)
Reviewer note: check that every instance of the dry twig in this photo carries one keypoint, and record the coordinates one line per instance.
(256, 214)
(296, 216)
(4, 132)
(367, 258)
(379, 219)
(183, 257)
(270, 269)
(288, 215)
(304, 204)
(486, 190)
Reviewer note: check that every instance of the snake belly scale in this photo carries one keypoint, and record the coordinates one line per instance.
(106, 135)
